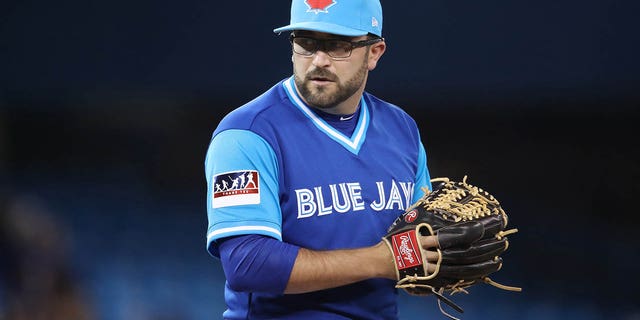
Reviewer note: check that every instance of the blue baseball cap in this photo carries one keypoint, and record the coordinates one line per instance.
(350, 18)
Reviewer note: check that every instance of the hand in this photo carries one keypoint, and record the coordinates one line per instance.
(430, 244)
(451, 240)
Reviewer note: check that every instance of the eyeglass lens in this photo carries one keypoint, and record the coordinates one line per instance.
(334, 48)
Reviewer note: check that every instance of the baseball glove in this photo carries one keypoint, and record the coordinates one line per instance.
(470, 227)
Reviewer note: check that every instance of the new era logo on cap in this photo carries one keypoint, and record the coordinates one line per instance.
(318, 6)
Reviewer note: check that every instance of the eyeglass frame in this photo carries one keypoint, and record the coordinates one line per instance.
(320, 44)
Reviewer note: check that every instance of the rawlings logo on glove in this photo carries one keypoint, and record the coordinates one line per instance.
(406, 249)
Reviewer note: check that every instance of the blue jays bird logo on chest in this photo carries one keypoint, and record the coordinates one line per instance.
(318, 6)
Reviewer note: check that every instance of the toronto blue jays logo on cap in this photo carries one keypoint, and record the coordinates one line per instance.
(318, 6)
(350, 18)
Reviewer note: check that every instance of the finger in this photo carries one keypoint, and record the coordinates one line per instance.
(432, 256)
(429, 242)
(431, 268)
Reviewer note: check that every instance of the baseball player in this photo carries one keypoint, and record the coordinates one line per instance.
(304, 180)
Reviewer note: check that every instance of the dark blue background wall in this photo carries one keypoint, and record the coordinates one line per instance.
(106, 110)
(480, 49)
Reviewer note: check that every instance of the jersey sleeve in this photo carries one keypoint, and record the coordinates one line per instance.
(242, 187)
(423, 178)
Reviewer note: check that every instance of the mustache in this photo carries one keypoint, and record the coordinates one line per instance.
(321, 73)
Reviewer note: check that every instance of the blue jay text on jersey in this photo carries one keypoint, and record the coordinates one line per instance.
(347, 196)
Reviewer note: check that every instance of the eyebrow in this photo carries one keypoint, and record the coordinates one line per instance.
(311, 34)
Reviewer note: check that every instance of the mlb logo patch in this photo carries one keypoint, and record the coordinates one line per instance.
(235, 188)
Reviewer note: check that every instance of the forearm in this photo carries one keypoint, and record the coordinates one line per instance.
(318, 270)
(255, 263)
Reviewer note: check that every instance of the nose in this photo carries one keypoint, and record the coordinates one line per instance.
(321, 59)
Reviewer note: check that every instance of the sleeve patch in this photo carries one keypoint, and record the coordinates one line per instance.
(235, 188)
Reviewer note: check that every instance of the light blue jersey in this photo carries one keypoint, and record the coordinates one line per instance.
(275, 168)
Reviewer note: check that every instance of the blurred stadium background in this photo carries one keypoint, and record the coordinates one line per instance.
(107, 107)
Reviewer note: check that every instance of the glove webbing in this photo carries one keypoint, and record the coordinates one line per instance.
(448, 201)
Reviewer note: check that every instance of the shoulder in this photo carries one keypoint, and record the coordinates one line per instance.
(382, 109)
(264, 108)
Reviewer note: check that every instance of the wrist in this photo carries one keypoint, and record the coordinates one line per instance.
(385, 266)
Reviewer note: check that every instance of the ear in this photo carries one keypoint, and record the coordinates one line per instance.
(375, 53)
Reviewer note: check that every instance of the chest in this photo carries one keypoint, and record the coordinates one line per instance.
(331, 197)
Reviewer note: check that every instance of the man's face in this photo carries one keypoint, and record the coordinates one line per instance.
(324, 82)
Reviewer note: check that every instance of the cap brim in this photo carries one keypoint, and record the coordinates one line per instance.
(322, 27)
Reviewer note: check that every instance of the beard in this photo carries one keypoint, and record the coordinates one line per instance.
(322, 97)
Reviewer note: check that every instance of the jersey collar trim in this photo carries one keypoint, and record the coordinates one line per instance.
(353, 143)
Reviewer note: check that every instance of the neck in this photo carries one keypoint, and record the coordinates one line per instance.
(349, 106)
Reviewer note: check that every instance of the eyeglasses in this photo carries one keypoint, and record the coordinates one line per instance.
(335, 48)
